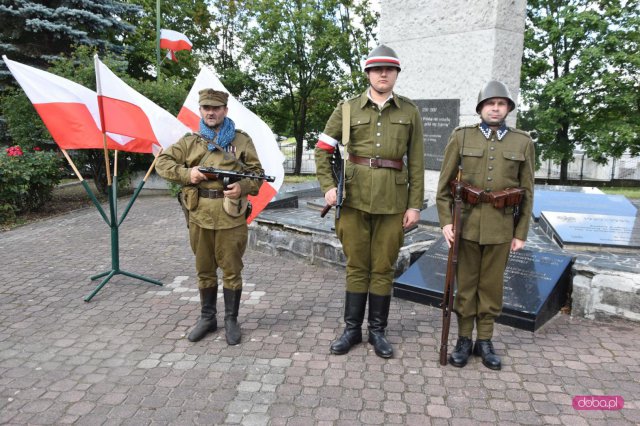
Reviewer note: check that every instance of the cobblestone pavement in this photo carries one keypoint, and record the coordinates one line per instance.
(123, 357)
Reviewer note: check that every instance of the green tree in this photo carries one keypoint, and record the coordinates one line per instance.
(305, 56)
(36, 32)
(581, 78)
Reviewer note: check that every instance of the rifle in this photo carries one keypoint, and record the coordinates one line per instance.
(452, 263)
(337, 169)
(228, 177)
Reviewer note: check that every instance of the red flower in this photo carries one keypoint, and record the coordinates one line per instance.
(37, 148)
(14, 151)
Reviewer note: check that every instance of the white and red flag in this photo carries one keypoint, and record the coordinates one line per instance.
(124, 111)
(174, 41)
(263, 138)
(69, 111)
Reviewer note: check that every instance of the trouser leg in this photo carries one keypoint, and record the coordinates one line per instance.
(490, 288)
(231, 245)
(468, 274)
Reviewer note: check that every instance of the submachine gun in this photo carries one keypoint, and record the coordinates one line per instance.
(452, 263)
(228, 177)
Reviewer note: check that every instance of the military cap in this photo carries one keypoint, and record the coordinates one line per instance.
(382, 56)
(213, 97)
(494, 89)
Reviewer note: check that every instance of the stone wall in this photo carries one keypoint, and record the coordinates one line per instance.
(449, 48)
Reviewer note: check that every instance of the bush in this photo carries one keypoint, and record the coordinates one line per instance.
(27, 180)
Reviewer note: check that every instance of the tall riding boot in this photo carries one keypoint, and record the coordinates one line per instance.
(354, 306)
(207, 322)
(231, 307)
(378, 314)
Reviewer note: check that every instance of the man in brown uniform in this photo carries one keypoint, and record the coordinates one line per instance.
(493, 157)
(384, 194)
(218, 238)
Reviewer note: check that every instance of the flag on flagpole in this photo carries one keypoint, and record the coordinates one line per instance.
(171, 55)
(70, 111)
(263, 138)
(126, 112)
(174, 40)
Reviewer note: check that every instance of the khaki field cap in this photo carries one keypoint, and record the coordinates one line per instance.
(494, 89)
(382, 56)
(213, 97)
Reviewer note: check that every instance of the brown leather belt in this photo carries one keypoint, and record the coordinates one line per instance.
(508, 197)
(210, 193)
(376, 163)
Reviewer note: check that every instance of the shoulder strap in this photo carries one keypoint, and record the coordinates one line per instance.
(346, 122)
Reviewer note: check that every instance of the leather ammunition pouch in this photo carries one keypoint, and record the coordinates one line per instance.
(235, 207)
(508, 197)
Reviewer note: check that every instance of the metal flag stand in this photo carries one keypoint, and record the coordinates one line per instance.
(113, 222)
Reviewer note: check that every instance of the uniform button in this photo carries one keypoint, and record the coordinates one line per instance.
(493, 139)
(492, 158)
(490, 167)
(512, 157)
(487, 189)
(379, 124)
(377, 134)
(492, 148)
(401, 121)
(358, 121)
(378, 144)
(489, 178)
(377, 156)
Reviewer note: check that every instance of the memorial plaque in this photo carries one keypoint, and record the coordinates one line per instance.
(581, 229)
(535, 284)
(579, 202)
(439, 118)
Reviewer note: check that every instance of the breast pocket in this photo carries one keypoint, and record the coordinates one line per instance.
(512, 161)
(400, 127)
(472, 160)
(360, 127)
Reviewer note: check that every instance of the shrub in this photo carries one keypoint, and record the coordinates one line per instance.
(27, 179)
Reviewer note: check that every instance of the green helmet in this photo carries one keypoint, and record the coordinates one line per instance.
(382, 56)
(494, 89)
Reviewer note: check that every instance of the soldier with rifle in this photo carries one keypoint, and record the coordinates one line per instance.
(216, 200)
(382, 194)
(496, 189)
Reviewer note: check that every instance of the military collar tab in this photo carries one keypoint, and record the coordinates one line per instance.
(486, 130)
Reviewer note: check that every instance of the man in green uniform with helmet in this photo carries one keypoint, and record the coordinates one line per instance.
(218, 235)
(493, 158)
(384, 185)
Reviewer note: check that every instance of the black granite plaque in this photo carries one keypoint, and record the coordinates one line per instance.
(536, 284)
(283, 200)
(581, 229)
(439, 118)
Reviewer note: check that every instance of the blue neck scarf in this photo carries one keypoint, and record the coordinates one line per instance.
(226, 133)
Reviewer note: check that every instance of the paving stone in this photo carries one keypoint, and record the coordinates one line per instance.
(123, 358)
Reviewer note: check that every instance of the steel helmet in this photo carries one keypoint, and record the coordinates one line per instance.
(494, 89)
(382, 56)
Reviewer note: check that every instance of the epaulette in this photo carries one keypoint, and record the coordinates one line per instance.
(522, 132)
(353, 98)
(407, 100)
(466, 126)
(242, 132)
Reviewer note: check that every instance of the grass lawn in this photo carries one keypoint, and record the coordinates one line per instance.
(629, 192)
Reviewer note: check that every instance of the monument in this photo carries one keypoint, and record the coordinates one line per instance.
(449, 49)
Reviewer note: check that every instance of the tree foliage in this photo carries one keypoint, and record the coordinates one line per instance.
(305, 56)
(581, 78)
(36, 32)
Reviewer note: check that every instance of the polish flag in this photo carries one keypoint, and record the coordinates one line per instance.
(263, 138)
(126, 112)
(70, 111)
(174, 41)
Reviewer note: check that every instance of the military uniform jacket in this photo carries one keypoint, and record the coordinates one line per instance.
(391, 133)
(491, 164)
(175, 162)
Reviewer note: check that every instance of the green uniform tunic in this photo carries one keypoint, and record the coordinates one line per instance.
(492, 163)
(370, 226)
(217, 239)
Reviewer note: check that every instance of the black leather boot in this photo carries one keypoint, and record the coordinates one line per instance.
(354, 306)
(484, 349)
(461, 353)
(378, 314)
(207, 322)
(231, 307)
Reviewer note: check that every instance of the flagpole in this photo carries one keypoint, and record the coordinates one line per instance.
(158, 39)
(139, 188)
(96, 61)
